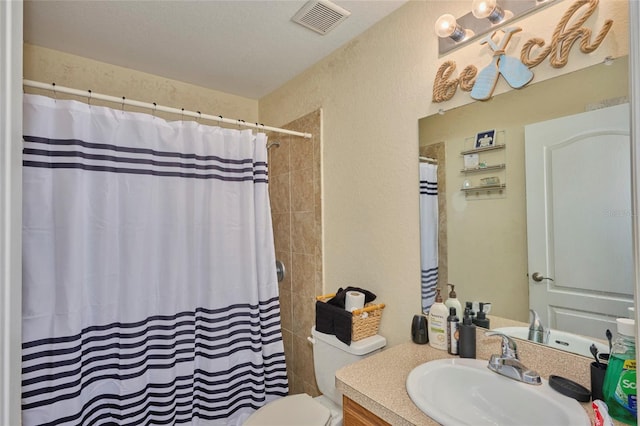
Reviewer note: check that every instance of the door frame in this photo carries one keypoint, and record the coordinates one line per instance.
(10, 210)
(634, 100)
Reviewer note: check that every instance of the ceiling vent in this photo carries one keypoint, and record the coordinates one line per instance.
(320, 16)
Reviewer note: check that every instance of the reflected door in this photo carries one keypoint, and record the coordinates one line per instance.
(579, 231)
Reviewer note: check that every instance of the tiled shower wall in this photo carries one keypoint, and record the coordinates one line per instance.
(295, 192)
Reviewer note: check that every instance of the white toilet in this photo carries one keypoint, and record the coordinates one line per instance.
(329, 355)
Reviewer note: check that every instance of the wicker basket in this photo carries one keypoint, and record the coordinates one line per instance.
(362, 326)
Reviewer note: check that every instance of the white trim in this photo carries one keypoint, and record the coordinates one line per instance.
(634, 96)
(10, 210)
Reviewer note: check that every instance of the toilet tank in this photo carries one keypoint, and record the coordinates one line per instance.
(330, 355)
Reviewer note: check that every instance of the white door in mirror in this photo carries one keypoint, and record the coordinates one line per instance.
(579, 233)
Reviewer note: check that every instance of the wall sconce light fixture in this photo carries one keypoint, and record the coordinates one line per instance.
(446, 26)
(485, 16)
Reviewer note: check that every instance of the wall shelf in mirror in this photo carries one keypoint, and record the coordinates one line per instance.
(484, 188)
(483, 169)
(483, 149)
(482, 154)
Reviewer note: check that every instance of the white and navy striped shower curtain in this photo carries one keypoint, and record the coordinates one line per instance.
(149, 293)
(428, 233)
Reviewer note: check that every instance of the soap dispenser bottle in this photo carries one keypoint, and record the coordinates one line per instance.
(453, 302)
(438, 323)
(469, 306)
(481, 319)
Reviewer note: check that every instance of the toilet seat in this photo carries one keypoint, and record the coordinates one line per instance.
(292, 410)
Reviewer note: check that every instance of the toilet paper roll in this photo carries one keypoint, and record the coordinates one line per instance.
(354, 300)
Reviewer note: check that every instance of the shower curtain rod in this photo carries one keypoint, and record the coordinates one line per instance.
(124, 101)
(428, 160)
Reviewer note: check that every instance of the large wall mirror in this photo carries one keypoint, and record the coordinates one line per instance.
(483, 240)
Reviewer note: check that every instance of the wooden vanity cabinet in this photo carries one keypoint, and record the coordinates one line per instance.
(355, 414)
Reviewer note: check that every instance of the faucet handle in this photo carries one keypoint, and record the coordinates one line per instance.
(509, 347)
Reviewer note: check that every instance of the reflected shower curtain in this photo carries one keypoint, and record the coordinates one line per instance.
(149, 292)
(428, 233)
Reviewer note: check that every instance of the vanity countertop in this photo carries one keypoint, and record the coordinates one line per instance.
(378, 382)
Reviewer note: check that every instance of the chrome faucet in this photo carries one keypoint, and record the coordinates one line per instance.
(537, 332)
(508, 363)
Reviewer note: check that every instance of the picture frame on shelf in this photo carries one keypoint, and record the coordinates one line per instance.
(471, 161)
(485, 139)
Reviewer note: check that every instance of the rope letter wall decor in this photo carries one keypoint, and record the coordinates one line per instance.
(563, 39)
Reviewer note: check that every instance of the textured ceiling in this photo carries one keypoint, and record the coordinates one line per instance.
(244, 47)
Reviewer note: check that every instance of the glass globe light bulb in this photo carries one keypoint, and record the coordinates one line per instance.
(483, 8)
(445, 25)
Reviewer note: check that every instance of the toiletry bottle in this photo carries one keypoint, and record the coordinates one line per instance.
(472, 314)
(438, 323)
(419, 329)
(619, 388)
(467, 333)
(452, 332)
(453, 302)
(481, 319)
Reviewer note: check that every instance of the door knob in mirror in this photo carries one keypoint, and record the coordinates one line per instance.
(537, 277)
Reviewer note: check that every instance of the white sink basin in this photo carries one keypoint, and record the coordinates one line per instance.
(560, 340)
(461, 391)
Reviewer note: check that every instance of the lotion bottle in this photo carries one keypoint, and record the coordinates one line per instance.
(453, 302)
(438, 323)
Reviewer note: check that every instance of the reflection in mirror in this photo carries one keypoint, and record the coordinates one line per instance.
(483, 236)
(578, 189)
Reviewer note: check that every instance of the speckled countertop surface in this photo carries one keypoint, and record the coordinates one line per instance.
(378, 382)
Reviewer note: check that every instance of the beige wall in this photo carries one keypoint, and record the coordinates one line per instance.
(487, 236)
(52, 66)
(372, 93)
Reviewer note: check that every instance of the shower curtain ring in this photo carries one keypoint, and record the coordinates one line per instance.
(89, 97)
(199, 117)
(155, 107)
(55, 94)
(123, 99)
